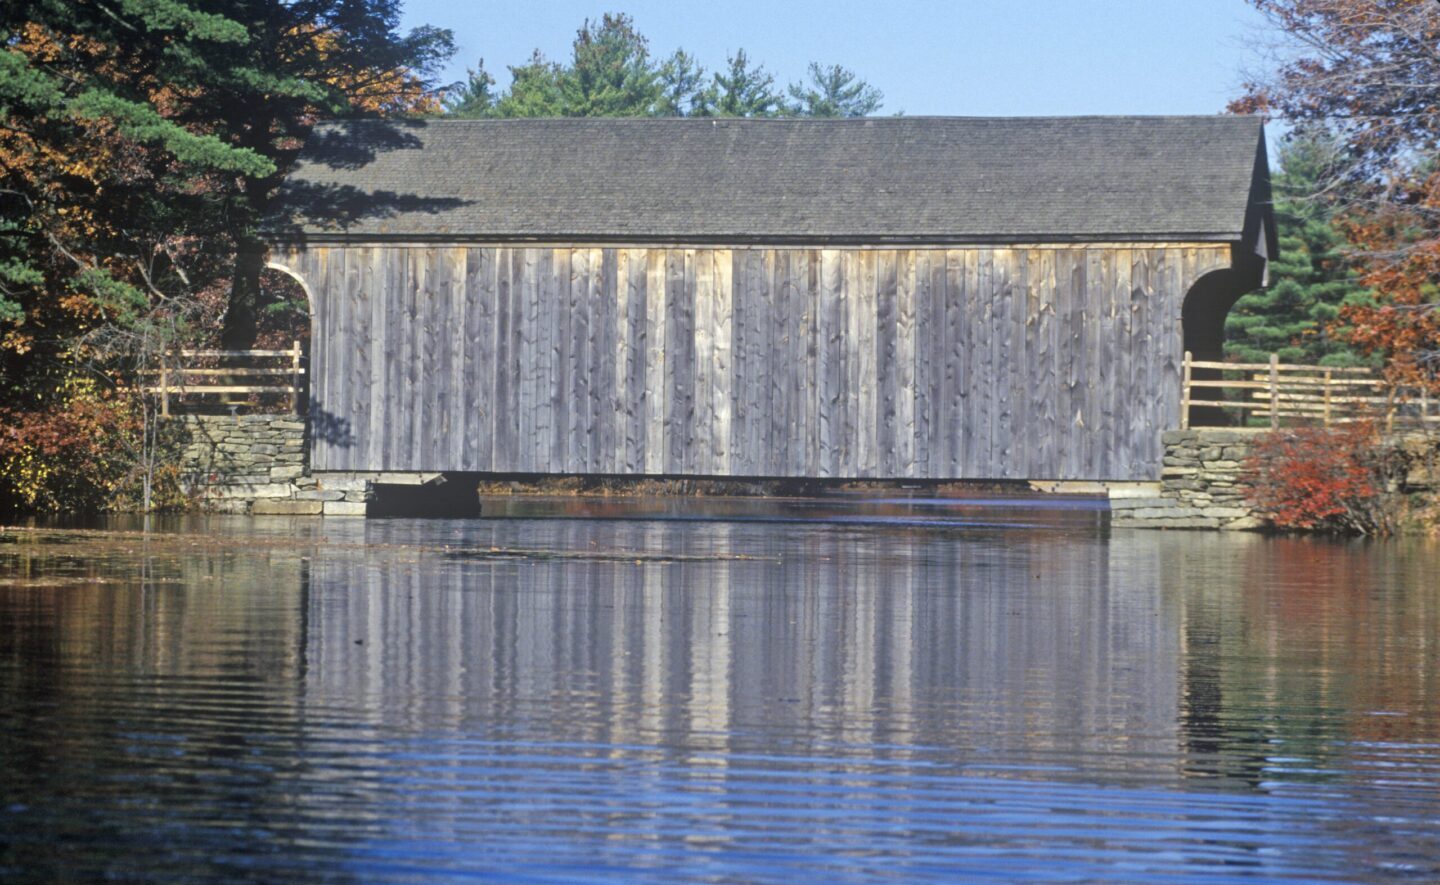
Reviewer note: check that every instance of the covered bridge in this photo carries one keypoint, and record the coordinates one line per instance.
(920, 298)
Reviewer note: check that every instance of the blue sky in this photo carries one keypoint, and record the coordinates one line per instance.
(969, 57)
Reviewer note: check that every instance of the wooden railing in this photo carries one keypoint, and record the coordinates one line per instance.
(201, 373)
(1276, 392)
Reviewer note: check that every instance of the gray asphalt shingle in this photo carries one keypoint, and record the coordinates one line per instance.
(905, 178)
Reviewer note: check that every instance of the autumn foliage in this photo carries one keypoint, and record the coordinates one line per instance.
(73, 453)
(1403, 268)
(1323, 479)
(140, 146)
(1365, 74)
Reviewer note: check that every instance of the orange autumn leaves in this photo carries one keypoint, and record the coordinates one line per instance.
(69, 177)
(1399, 254)
(1367, 73)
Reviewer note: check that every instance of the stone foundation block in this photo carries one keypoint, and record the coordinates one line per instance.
(344, 508)
(279, 507)
(1176, 437)
(342, 483)
(1122, 504)
(1245, 524)
(1225, 512)
(251, 490)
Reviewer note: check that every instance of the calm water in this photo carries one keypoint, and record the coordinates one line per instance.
(955, 694)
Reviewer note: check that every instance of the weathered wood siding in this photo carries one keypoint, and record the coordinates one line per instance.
(984, 363)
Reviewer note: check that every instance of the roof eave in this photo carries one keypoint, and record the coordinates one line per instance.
(320, 237)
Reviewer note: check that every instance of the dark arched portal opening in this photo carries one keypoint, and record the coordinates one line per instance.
(1202, 319)
(285, 311)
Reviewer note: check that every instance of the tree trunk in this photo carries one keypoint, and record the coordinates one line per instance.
(242, 314)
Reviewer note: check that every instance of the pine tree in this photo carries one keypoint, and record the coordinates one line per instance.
(476, 97)
(536, 90)
(743, 90)
(1311, 279)
(611, 74)
(833, 91)
(685, 90)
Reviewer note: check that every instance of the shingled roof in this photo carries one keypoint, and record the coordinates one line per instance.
(906, 179)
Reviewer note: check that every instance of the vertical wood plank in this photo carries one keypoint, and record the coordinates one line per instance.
(722, 357)
(1088, 420)
(887, 366)
(775, 427)
(1142, 400)
(865, 397)
(967, 377)
(1123, 356)
(467, 343)
(655, 357)
(630, 343)
(394, 331)
(1102, 285)
(532, 363)
(830, 333)
(1169, 337)
(505, 415)
(926, 367)
(678, 392)
(741, 311)
(325, 357)
(1040, 367)
(576, 385)
(749, 354)
(483, 362)
(703, 330)
(437, 370)
(379, 295)
(416, 336)
(949, 349)
(905, 430)
(806, 273)
(1005, 354)
(548, 285)
(604, 417)
(330, 264)
(359, 283)
(1016, 428)
(1069, 270)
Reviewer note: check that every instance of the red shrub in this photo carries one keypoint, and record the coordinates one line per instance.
(1317, 478)
(71, 454)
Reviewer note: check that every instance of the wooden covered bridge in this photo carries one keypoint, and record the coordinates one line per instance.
(917, 298)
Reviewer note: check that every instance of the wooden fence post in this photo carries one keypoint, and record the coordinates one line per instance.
(295, 378)
(1274, 391)
(164, 390)
(1328, 375)
(1185, 394)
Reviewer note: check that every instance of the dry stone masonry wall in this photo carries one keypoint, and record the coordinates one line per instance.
(1202, 485)
(257, 464)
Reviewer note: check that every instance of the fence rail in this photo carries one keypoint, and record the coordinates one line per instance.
(1280, 392)
(273, 371)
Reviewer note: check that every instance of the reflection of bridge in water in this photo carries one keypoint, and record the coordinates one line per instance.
(1017, 643)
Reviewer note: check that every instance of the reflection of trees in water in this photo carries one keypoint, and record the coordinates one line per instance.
(148, 681)
(1293, 646)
